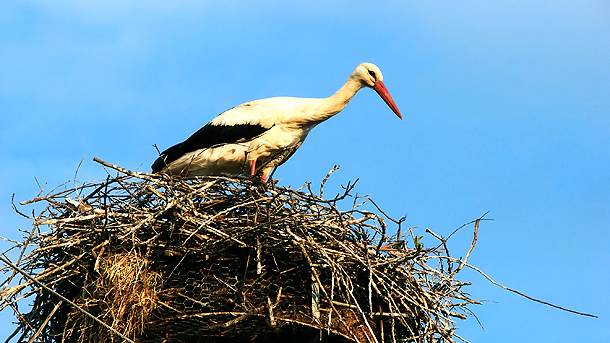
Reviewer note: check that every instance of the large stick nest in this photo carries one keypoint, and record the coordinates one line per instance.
(150, 258)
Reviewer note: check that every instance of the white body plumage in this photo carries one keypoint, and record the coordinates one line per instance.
(281, 135)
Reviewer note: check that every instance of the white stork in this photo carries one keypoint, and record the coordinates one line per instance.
(257, 136)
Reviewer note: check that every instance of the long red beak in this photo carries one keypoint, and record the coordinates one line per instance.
(379, 87)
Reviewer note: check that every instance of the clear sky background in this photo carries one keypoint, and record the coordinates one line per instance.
(506, 104)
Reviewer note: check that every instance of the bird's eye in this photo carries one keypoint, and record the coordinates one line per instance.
(372, 73)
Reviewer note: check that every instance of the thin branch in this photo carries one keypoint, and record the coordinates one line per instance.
(495, 283)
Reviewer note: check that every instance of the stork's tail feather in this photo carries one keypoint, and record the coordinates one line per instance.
(159, 164)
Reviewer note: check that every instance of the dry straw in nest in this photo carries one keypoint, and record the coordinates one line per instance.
(150, 258)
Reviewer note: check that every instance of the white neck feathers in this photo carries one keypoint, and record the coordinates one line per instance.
(336, 102)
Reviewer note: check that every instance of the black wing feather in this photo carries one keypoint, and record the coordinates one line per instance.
(207, 137)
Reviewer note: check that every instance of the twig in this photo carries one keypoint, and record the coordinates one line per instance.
(495, 283)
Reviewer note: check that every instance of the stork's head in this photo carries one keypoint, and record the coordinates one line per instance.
(369, 75)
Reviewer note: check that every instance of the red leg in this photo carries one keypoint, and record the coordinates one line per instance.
(264, 177)
(252, 167)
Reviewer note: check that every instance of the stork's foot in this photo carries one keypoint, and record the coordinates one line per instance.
(261, 179)
(264, 174)
(267, 174)
(259, 183)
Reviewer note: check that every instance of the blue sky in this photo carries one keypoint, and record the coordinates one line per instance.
(507, 108)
